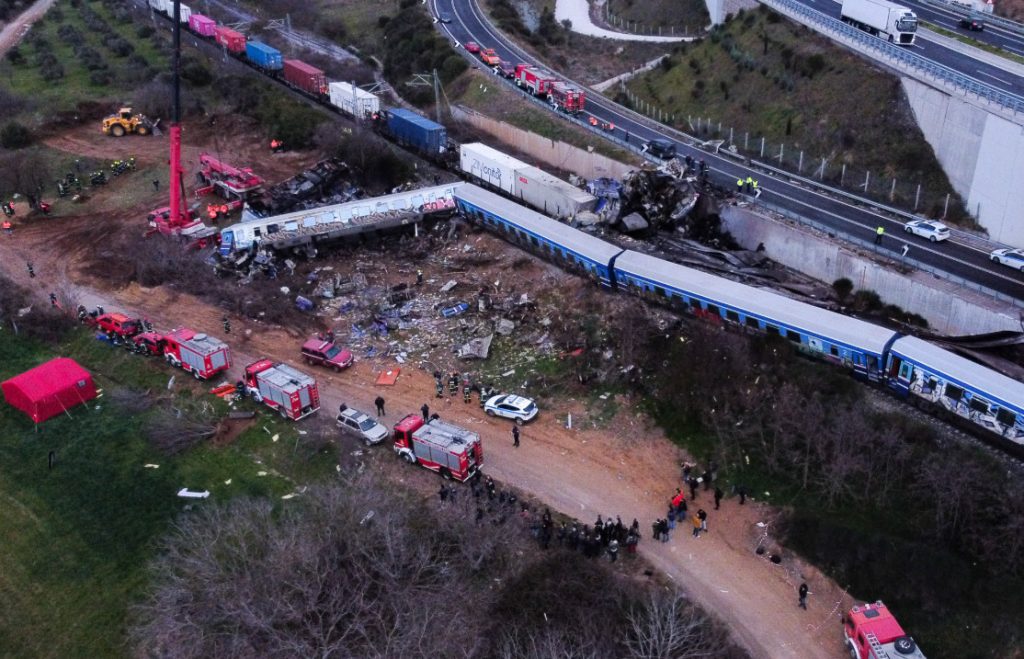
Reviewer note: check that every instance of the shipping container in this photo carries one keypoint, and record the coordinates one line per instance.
(307, 78)
(362, 104)
(409, 128)
(264, 56)
(202, 25)
(550, 194)
(490, 166)
(159, 5)
(230, 39)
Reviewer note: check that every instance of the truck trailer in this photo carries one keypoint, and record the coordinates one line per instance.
(353, 101)
(453, 452)
(280, 387)
(881, 18)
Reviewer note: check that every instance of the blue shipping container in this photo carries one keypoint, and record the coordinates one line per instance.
(428, 137)
(264, 56)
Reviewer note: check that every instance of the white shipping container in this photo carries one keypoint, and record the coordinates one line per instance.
(364, 102)
(490, 166)
(159, 5)
(550, 194)
(186, 12)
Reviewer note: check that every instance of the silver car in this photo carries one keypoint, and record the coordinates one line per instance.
(363, 426)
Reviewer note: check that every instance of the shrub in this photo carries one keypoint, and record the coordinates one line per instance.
(196, 74)
(145, 31)
(15, 57)
(100, 78)
(15, 136)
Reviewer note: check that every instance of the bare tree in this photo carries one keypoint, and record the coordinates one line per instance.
(667, 626)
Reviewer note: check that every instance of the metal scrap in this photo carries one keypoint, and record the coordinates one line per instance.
(478, 348)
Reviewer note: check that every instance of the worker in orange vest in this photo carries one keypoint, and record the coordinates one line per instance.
(8, 228)
(224, 210)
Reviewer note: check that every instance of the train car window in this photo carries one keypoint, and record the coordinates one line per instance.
(533, 239)
(752, 322)
(1006, 417)
(732, 315)
(714, 310)
(954, 392)
(979, 405)
(772, 329)
(834, 351)
(256, 232)
(872, 362)
(660, 291)
(793, 336)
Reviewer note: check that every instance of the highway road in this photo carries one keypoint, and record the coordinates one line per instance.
(992, 34)
(983, 72)
(961, 260)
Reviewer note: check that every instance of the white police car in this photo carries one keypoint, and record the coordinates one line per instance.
(930, 229)
(362, 425)
(518, 408)
(1013, 258)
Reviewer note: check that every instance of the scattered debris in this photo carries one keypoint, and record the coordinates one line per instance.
(186, 493)
(478, 348)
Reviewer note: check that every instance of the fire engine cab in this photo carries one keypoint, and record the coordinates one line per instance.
(453, 452)
(872, 632)
(280, 387)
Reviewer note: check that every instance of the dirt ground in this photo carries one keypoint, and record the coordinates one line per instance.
(12, 32)
(627, 468)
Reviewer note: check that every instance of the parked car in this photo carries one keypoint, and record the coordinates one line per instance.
(1013, 258)
(472, 47)
(930, 229)
(361, 425)
(323, 351)
(518, 408)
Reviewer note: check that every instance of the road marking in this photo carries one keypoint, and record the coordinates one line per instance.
(986, 73)
(1014, 50)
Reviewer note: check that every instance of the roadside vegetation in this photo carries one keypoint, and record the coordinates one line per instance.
(764, 76)
(686, 16)
(11, 8)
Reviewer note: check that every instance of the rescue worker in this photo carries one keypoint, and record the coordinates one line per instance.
(53, 299)
(31, 270)
(739, 185)
(419, 277)
(593, 121)
(426, 411)
(156, 184)
(756, 190)
(439, 384)
(8, 209)
(453, 383)
(465, 391)
(8, 227)
(879, 233)
(227, 325)
(223, 210)
(749, 182)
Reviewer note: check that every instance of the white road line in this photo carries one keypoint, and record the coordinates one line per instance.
(1013, 50)
(986, 73)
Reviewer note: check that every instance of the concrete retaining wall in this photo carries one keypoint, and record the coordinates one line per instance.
(554, 154)
(941, 302)
(982, 154)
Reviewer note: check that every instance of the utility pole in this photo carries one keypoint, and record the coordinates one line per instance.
(437, 96)
(177, 182)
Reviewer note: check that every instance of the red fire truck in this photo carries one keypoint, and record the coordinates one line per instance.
(872, 632)
(278, 386)
(201, 355)
(566, 98)
(449, 450)
(535, 80)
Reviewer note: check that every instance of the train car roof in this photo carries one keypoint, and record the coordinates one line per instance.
(971, 374)
(770, 306)
(415, 117)
(579, 242)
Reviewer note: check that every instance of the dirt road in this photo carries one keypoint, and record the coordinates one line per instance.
(13, 32)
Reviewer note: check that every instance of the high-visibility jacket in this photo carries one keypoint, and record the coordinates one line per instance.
(750, 181)
(880, 231)
(6, 225)
(739, 183)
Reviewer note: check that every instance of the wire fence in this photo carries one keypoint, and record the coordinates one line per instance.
(884, 186)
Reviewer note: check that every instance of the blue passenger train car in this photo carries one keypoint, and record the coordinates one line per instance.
(566, 247)
(853, 343)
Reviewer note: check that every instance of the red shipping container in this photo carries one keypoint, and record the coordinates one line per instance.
(305, 77)
(230, 39)
(204, 26)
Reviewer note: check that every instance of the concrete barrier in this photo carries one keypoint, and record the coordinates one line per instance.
(558, 155)
(946, 306)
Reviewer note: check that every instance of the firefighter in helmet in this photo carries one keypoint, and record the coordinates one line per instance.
(453, 383)
(465, 390)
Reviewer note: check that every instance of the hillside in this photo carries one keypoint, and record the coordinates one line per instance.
(763, 76)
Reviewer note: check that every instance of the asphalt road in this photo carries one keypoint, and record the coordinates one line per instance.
(961, 260)
(992, 34)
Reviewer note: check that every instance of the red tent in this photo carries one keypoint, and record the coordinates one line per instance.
(50, 388)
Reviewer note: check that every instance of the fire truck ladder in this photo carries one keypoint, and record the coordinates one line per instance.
(876, 647)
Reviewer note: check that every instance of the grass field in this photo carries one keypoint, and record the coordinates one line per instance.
(78, 537)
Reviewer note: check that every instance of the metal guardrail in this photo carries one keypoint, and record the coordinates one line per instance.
(991, 19)
(896, 56)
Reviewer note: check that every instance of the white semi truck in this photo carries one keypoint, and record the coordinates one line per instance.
(887, 20)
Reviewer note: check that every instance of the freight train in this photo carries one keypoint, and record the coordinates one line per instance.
(929, 377)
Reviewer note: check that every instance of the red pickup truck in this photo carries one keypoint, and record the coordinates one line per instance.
(321, 350)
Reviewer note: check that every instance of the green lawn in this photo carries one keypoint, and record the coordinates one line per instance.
(78, 536)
